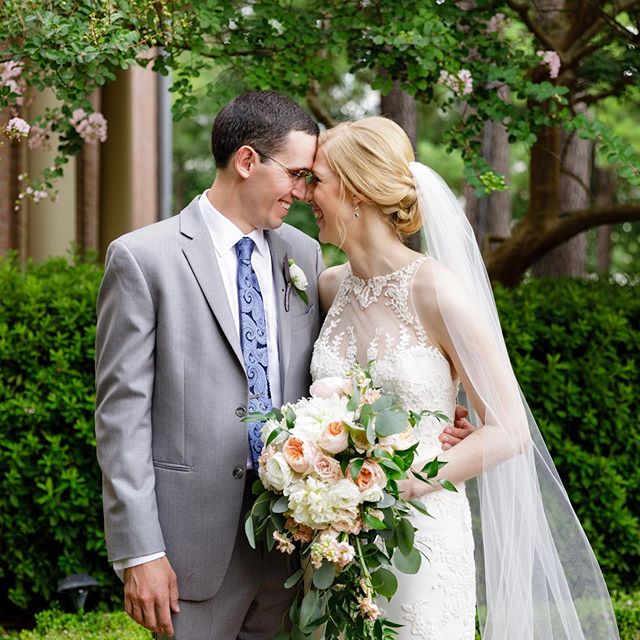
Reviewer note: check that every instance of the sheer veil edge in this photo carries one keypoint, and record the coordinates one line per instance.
(537, 576)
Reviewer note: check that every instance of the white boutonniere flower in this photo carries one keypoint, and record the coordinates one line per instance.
(297, 279)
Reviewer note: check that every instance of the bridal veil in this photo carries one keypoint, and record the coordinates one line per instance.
(538, 578)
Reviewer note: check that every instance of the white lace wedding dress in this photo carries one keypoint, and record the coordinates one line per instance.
(374, 320)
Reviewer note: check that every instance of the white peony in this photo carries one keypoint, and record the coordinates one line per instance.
(314, 414)
(310, 502)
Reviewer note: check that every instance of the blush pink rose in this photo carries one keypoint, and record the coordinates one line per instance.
(370, 481)
(300, 454)
(330, 386)
(334, 438)
(327, 468)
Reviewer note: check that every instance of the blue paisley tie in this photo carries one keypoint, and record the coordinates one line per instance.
(253, 341)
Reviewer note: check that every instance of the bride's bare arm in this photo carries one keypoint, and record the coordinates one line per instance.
(446, 311)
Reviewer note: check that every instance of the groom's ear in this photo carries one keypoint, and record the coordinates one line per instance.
(243, 161)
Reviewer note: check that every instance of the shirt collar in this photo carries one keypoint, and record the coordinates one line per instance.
(224, 233)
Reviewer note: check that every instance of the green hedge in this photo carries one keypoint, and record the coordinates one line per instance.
(50, 506)
(54, 625)
(574, 344)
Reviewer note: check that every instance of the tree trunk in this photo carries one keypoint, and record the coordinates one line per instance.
(570, 259)
(490, 216)
(604, 182)
(401, 108)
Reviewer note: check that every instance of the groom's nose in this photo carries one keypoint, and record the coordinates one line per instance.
(302, 191)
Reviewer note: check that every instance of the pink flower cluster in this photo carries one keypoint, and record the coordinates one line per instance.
(552, 60)
(39, 137)
(91, 127)
(496, 24)
(327, 546)
(10, 77)
(461, 84)
(17, 128)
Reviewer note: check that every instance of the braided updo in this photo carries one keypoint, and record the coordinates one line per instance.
(371, 158)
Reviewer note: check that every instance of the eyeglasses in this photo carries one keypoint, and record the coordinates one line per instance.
(301, 174)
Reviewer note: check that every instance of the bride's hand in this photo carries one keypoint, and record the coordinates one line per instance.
(411, 488)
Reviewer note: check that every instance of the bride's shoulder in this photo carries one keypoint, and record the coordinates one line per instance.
(434, 286)
(329, 283)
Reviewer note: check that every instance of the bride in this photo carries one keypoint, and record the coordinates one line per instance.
(428, 323)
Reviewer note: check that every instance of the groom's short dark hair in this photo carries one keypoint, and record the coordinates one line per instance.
(260, 119)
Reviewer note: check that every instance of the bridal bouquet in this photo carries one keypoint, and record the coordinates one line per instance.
(328, 489)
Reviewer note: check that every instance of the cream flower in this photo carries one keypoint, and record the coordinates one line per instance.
(314, 414)
(298, 277)
(329, 386)
(275, 473)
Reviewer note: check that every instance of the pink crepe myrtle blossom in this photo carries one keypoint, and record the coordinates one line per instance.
(461, 84)
(90, 127)
(17, 128)
(10, 72)
(552, 60)
(39, 137)
(496, 23)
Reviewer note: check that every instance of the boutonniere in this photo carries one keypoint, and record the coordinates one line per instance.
(296, 279)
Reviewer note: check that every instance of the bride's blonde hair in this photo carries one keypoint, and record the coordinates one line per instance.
(371, 159)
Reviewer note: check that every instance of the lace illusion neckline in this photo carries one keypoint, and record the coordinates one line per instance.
(385, 277)
(368, 290)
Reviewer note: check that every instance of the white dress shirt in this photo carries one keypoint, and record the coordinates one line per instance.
(225, 235)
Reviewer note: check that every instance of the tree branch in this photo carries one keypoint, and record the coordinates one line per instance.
(581, 47)
(531, 240)
(522, 9)
(317, 108)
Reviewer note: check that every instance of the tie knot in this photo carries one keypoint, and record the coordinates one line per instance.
(244, 248)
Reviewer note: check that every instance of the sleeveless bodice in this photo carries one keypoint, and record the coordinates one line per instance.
(375, 321)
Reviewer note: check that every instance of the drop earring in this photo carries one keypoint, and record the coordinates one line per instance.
(356, 212)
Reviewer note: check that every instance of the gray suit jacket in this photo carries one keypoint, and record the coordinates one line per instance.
(171, 385)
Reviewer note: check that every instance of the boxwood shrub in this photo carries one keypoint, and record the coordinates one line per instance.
(575, 346)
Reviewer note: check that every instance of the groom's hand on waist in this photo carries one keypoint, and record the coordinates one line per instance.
(453, 434)
(151, 594)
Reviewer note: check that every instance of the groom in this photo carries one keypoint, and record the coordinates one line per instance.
(197, 324)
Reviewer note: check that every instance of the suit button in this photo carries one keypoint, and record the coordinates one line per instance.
(238, 472)
(241, 412)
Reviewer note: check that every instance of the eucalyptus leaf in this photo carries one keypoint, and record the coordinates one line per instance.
(384, 582)
(410, 563)
(307, 608)
(382, 403)
(406, 535)
(354, 400)
(280, 505)
(294, 579)
(324, 576)
(419, 506)
(248, 529)
(390, 422)
(387, 501)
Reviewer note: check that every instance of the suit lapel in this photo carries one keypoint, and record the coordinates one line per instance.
(201, 256)
(280, 249)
